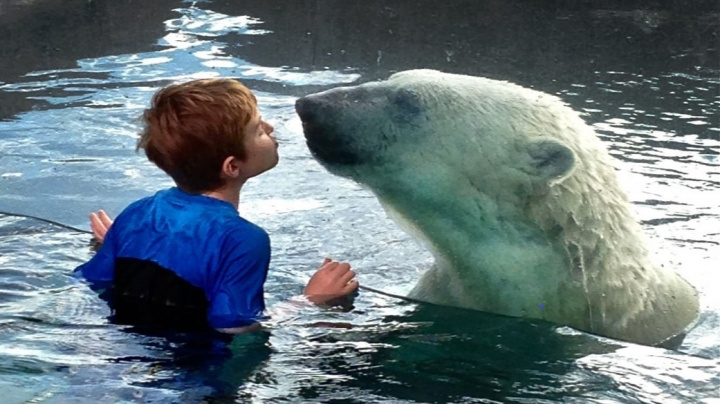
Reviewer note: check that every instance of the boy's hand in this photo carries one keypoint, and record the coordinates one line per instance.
(100, 222)
(332, 284)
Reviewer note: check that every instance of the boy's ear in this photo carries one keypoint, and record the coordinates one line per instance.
(230, 167)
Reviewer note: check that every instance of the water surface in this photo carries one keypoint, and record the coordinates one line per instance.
(76, 75)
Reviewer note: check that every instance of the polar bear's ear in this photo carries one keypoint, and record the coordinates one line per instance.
(550, 160)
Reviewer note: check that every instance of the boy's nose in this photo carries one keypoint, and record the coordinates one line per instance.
(268, 128)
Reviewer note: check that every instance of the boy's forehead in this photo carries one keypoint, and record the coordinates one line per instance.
(255, 118)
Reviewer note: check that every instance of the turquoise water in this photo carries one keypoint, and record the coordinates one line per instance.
(76, 75)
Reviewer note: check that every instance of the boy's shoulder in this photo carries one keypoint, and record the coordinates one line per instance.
(241, 230)
(177, 212)
(138, 207)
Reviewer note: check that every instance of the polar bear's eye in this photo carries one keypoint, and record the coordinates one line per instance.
(407, 101)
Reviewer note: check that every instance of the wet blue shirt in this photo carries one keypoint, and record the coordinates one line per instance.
(201, 239)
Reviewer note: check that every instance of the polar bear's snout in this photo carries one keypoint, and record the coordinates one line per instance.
(308, 108)
(359, 124)
(330, 120)
(323, 132)
(315, 124)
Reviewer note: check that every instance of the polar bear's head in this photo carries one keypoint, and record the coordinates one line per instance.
(424, 129)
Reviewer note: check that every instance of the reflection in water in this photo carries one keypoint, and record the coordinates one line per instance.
(81, 72)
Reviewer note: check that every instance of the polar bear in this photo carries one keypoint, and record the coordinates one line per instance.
(515, 196)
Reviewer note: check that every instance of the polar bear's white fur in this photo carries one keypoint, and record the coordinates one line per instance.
(512, 192)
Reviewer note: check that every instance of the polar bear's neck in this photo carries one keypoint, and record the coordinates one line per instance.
(488, 254)
(607, 256)
(572, 256)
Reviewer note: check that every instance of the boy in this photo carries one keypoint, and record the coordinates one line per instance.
(183, 258)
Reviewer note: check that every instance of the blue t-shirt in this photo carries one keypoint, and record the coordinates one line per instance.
(203, 240)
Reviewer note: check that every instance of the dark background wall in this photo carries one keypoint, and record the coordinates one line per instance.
(527, 41)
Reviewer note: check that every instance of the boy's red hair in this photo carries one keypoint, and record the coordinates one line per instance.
(191, 128)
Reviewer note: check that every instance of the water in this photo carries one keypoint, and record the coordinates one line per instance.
(76, 74)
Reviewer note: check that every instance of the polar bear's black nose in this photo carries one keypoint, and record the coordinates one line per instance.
(305, 108)
(315, 116)
(323, 132)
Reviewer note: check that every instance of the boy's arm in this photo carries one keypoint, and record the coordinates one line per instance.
(333, 284)
(99, 270)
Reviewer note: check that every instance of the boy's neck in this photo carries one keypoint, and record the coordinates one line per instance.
(230, 193)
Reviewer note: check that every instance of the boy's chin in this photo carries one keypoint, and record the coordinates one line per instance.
(269, 167)
(275, 163)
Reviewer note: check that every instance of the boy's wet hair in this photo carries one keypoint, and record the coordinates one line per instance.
(191, 128)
